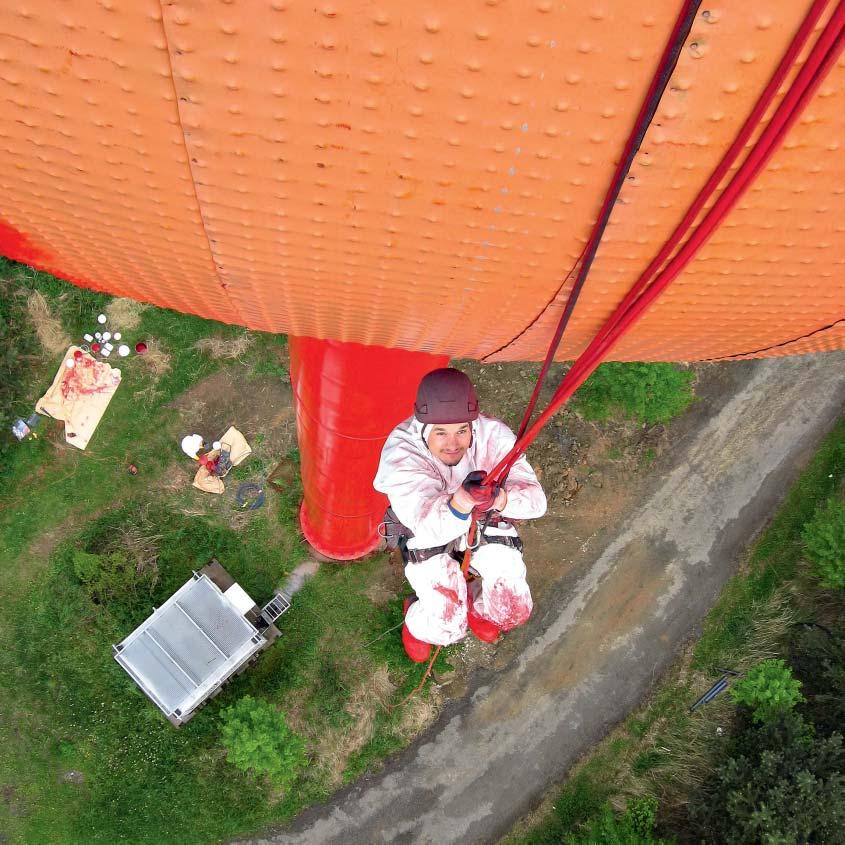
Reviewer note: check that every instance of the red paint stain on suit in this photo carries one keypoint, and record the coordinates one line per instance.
(507, 608)
(453, 601)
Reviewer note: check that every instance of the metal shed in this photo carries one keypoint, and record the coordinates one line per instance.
(202, 635)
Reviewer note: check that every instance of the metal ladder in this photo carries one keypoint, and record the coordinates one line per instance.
(279, 604)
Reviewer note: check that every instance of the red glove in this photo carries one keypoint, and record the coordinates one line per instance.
(462, 501)
(475, 494)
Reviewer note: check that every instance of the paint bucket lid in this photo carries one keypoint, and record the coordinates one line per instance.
(123, 350)
(101, 318)
(140, 347)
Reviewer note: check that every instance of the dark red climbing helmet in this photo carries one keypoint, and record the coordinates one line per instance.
(446, 396)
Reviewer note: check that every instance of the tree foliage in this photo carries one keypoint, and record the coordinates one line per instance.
(649, 393)
(818, 658)
(257, 738)
(824, 544)
(767, 689)
(782, 785)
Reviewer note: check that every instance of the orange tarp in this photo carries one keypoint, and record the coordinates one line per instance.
(416, 175)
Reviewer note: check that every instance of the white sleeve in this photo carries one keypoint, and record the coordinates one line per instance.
(418, 497)
(526, 499)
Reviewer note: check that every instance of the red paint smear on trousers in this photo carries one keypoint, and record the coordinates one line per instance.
(452, 601)
(508, 609)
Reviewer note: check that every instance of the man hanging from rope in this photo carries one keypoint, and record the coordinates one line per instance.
(429, 472)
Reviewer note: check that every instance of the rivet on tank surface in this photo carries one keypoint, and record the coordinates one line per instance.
(697, 49)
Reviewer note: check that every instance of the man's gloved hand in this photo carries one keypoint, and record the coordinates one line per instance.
(462, 501)
(474, 494)
(501, 500)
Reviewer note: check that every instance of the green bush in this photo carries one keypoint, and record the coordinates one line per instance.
(818, 659)
(641, 815)
(781, 786)
(111, 578)
(649, 393)
(824, 544)
(257, 737)
(634, 828)
(767, 689)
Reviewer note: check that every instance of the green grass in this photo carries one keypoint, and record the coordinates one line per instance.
(67, 705)
(662, 750)
(773, 559)
(643, 392)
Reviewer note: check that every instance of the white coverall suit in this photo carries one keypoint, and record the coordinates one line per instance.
(419, 487)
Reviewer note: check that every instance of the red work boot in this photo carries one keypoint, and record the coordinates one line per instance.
(485, 630)
(416, 649)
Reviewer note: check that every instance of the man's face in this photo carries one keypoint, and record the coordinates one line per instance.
(449, 441)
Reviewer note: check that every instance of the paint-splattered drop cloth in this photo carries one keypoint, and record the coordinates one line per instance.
(79, 395)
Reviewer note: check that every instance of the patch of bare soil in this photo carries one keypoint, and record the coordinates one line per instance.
(46, 541)
(260, 407)
(13, 801)
(591, 474)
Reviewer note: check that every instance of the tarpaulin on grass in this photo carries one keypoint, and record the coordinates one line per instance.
(79, 395)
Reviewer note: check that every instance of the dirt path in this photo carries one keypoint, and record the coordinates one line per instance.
(629, 595)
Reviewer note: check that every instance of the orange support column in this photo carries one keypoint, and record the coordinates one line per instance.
(348, 398)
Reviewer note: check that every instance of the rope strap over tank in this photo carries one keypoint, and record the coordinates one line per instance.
(649, 286)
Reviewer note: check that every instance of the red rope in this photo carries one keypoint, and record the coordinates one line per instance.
(659, 80)
(642, 295)
(751, 123)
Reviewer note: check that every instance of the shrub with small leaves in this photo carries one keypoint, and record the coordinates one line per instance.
(641, 814)
(781, 785)
(257, 737)
(607, 828)
(824, 544)
(112, 578)
(767, 690)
